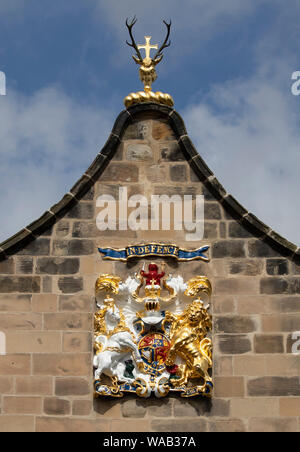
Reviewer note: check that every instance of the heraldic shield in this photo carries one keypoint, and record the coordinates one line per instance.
(151, 335)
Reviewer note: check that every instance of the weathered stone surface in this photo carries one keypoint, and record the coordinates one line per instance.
(73, 247)
(85, 229)
(277, 267)
(273, 425)
(68, 321)
(171, 152)
(289, 406)
(228, 248)
(254, 407)
(56, 406)
(20, 284)
(138, 152)
(268, 343)
(24, 265)
(210, 230)
(157, 173)
(15, 302)
(80, 303)
(47, 284)
(57, 265)
(258, 248)
(227, 425)
(70, 285)
(231, 344)
(77, 342)
(15, 364)
(178, 173)
(229, 387)
(61, 364)
(284, 322)
(133, 408)
(6, 385)
(236, 286)
(22, 405)
(81, 407)
(62, 228)
(33, 342)
(277, 285)
(212, 211)
(205, 407)
(70, 425)
(38, 247)
(71, 386)
(44, 302)
(7, 266)
(81, 210)
(185, 425)
(31, 385)
(249, 267)
(18, 321)
(234, 324)
(274, 386)
(17, 424)
(121, 172)
(249, 365)
(236, 230)
(162, 131)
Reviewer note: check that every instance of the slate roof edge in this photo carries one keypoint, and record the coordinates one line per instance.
(247, 219)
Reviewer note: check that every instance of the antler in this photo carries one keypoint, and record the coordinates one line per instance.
(159, 55)
(138, 58)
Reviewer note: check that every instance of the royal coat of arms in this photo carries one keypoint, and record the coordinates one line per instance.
(151, 335)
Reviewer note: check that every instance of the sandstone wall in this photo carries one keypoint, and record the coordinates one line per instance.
(47, 304)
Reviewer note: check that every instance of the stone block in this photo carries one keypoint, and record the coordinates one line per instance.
(31, 385)
(212, 211)
(15, 302)
(273, 425)
(237, 231)
(280, 285)
(229, 387)
(85, 229)
(80, 303)
(70, 285)
(233, 344)
(227, 426)
(15, 364)
(62, 364)
(234, 324)
(281, 322)
(25, 321)
(33, 342)
(44, 302)
(21, 284)
(22, 405)
(161, 131)
(6, 385)
(173, 426)
(68, 321)
(203, 407)
(178, 173)
(254, 407)
(24, 265)
(274, 386)
(171, 152)
(16, 424)
(277, 267)
(228, 248)
(57, 265)
(81, 210)
(138, 152)
(133, 408)
(156, 173)
(258, 248)
(121, 172)
(268, 343)
(56, 406)
(289, 406)
(38, 247)
(248, 267)
(7, 266)
(81, 407)
(72, 386)
(62, 228)
(236, 286)
(249, 365)
(73, 247)
(77, 342)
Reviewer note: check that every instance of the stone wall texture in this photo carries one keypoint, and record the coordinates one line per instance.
(47, 278)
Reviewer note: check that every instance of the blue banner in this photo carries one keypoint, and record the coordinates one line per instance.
(154, 249)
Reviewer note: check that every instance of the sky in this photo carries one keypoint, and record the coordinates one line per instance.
(228, 68)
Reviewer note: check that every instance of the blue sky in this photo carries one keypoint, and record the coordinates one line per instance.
(228, 69)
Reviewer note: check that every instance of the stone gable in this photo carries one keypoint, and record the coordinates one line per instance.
(47, 277)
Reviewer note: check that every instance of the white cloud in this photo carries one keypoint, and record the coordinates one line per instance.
(47, 142)
(252, 145)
